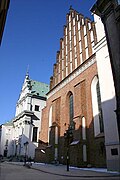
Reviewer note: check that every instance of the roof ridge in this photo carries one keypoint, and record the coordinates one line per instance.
(39, 82)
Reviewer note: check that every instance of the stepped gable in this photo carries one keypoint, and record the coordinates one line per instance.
(76, 45)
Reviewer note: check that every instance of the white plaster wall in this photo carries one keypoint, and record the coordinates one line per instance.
(26, 130)
(2, 139)
(106, 85)
(23, 103)
(7, 134)
(10, 143)
(107, 97)
(36, 123)
(99, 27)
(38, 114)
(22, 131)
(25, 89)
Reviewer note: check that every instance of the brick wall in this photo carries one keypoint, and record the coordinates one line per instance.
(81, 89)
(73, 74)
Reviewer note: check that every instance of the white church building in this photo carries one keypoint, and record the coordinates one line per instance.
(19, 137)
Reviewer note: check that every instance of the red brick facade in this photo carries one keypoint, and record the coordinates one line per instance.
(73, 73)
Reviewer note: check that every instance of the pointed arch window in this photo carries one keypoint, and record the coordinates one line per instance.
(97, 107)
(71, 111)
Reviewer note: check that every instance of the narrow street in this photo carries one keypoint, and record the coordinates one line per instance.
(18, 172)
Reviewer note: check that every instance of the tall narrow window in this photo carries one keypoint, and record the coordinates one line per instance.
(56, 143)
(50, 123)
(99, 107)
(35, 129)
(83, 128)
(71, 110)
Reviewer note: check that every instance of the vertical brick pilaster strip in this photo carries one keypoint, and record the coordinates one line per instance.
(94, 32)
(72, 32)
(60, 59)
(83, 42)
(64, 39)
(54, 75)
(51, 82)
(77, 43)
(68, 44)
(83, 98)
(89, 23)
(57, 66)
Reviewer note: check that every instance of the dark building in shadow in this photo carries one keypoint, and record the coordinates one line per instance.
(109, 13)
(4, 5)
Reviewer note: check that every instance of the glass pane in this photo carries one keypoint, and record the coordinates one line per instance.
(71, 111)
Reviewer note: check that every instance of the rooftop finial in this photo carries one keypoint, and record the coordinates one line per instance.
(71, 7)
(27, 72)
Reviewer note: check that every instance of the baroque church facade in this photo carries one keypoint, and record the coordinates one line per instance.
(19, 137)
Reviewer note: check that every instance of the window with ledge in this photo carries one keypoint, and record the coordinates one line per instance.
(50, 124)
(36, 108)
(34, 138)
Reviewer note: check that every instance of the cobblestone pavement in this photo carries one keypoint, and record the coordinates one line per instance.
(38, 171)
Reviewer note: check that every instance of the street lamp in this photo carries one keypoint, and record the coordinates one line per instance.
(68, 135)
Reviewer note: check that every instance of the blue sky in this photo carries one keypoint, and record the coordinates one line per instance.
(31, 37)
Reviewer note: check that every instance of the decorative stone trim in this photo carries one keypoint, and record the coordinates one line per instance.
(72, 76)
(100, 44)
(23, 113)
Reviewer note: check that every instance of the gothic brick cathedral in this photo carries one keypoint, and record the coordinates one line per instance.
(73, 97)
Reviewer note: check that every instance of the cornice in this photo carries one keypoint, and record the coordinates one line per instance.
(23, 113)
(100, 44)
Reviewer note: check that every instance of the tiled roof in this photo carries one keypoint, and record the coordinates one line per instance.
(38, 88)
